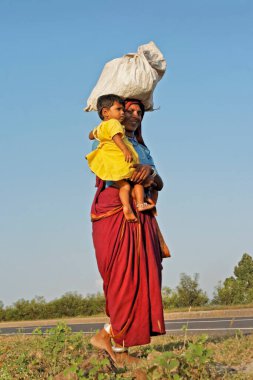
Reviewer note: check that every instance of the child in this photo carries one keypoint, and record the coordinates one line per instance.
(115, 155)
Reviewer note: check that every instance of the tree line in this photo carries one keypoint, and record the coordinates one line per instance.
(71, 304)
(235, 290)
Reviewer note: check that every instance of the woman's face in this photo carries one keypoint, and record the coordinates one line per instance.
(133, 117)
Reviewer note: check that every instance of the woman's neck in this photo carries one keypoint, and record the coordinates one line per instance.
(129, 134)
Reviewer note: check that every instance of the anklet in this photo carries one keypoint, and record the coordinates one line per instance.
(119, 349)
(141, 205)
(107, 328)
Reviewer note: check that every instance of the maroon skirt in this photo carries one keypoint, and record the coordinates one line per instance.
(129, 261)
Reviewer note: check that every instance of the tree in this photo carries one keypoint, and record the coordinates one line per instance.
(188, 293)
(166, 297)
(237, 289)
(1, 311)
(244, 271)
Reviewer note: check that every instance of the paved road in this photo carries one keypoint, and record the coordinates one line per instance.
(211, 326)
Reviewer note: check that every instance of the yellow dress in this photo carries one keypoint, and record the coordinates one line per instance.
(107, 161)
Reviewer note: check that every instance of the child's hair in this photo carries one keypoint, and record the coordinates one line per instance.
(106, 101)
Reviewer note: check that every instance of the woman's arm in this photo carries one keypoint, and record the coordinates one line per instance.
(159, 182)
(148, 174)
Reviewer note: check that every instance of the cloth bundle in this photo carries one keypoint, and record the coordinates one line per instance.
(134, 75)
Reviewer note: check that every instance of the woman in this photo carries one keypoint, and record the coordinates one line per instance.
(128, 256)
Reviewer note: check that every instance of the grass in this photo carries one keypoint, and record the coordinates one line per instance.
(61, 354)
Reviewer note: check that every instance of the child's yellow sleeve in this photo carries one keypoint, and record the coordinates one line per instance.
(114, 127)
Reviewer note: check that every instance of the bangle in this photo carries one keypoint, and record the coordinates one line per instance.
(154, 173)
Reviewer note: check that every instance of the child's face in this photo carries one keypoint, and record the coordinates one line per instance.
(116, 111)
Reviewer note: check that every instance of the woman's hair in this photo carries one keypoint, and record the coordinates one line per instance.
(107, 101)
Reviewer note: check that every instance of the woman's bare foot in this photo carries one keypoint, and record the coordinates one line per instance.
(129, 215)
(145, 206)
(102, 341)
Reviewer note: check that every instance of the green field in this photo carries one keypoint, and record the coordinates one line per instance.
(61, 354)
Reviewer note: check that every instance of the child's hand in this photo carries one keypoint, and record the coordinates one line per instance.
(128, 156)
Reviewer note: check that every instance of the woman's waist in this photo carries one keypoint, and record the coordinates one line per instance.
(107, 200)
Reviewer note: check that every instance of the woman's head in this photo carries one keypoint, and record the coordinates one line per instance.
(131, 102)
(134, 112)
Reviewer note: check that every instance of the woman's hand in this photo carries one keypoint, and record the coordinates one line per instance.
(141, 173)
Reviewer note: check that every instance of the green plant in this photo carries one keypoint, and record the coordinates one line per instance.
(190, 364)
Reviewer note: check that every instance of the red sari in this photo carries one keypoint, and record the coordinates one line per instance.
(129, 261)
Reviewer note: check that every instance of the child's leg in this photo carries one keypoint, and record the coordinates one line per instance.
(139, 196)
(124, 194)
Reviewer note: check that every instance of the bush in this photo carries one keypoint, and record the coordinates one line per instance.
(187, 293)
(70, 304)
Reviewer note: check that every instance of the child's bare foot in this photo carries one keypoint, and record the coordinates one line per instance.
(102, 341)
(154, 210)
(145, 206)
(129, 215)
(151, 201)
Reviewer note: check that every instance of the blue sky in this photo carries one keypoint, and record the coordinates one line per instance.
(52, 53)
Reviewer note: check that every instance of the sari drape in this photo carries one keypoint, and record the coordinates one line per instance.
(129, 261)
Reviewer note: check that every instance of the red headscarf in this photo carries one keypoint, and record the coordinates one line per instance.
(128, 103)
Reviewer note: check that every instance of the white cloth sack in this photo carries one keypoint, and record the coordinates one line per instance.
(134, 75)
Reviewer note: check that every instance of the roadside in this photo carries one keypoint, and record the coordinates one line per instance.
(62, 355)
(232, 313)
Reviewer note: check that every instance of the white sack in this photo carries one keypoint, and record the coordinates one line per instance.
(134, 75)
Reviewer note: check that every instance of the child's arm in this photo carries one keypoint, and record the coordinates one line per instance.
(122, 146)
(91, 135)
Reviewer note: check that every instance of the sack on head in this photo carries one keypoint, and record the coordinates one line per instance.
(134, 75)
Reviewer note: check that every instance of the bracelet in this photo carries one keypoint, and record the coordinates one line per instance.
(154, 174)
